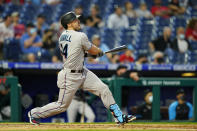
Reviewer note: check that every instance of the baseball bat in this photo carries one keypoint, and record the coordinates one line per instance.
(117, 49)
(114, 50)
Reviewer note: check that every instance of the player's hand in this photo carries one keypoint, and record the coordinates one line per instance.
(94, 56)
(100, 54)
(134, 76)
(89, 55)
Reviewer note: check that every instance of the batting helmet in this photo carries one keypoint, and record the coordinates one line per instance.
(68, 18)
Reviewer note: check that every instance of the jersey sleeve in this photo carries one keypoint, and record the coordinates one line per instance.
(86, 44)
(172, 111)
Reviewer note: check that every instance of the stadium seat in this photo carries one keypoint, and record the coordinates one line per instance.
(110, 37)
(48, 12)
(192, 59)
(103, 6)
(90, 31)
(44, 56)
(12, 8)
(193, 45)
(28, 13)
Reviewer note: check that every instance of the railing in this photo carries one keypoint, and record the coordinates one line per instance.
(116, 84)
(15, 94)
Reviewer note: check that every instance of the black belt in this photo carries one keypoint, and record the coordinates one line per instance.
(76, 71)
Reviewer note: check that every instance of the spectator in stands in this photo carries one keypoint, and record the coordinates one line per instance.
(118, 20)
(50, 44)
(6, 31)
(143, 11)
(52, 2)
(19, 29)
(79, 11)
(58, 29)
(141, 59)
(48, 41)
(162, 42)
(127, 57)
(115, 59)
(180, 109)
(191, 31)
(55, 59)
(129, 11)
(159, 10)
(105, 59)
(41, 25)
(94, 20)
(180, 44)
(34, 2)
(31, 43)
(122, 71)
(158, 58)
(144, 111)
(175, 8)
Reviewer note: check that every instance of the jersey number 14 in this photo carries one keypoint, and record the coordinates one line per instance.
(65, 50)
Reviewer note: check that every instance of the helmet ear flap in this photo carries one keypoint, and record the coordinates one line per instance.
(65, 26)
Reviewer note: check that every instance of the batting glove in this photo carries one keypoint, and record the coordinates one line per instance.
(100, 54)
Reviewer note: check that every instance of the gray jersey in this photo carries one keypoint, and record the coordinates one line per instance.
(73, 45)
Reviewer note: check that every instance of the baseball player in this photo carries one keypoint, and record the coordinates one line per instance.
(74, 75)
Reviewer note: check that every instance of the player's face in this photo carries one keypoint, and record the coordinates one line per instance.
(147, 97)
(76, 24)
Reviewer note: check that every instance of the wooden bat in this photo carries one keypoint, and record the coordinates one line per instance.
(117, 49)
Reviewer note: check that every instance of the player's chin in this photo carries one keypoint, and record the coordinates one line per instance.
(78, 28)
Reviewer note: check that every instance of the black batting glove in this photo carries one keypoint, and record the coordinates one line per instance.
(94, 56)
(89, 55)
(100, 54)
(86, 54)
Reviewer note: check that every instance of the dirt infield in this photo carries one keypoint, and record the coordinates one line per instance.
(97, 127)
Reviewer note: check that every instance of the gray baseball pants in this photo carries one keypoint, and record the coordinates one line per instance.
(68, 84)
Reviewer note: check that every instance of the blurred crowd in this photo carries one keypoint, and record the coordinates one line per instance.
(38, 41)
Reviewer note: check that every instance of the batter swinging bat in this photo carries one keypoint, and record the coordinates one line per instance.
(117, 49)
(114, 50)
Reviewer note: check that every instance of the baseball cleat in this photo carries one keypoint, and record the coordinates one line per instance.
(128, 118)
(121, 118)
(32, 120)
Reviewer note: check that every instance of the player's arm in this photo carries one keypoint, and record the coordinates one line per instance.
(151, 46)
(172, 111)
(90, 48)
(94, 50)
(190, 114)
